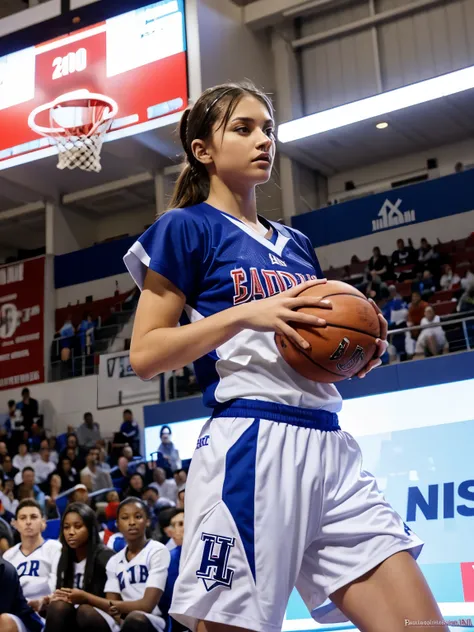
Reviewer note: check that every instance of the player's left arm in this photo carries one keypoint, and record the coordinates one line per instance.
(382, 344)
(147, 603)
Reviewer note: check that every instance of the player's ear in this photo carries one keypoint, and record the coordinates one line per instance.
(200, 151)
(43, 523)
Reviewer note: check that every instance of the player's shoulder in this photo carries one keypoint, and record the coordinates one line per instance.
(10, 554)
(289, 231)
(194, 216)
(52, 546)
(155, 549)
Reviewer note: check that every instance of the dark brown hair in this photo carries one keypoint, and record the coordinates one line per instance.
(219, 102)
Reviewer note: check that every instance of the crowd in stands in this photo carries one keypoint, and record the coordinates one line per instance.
(79, 473)
(418, 287)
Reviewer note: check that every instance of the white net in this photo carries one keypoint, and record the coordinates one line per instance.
(80, 152)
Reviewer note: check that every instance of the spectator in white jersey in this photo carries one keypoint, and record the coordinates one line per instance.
(167, 487)
(35, 559)
(23, 458)
(44, 467)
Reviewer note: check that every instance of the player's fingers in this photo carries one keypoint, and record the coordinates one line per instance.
(383, 327)
(373, 364)
(307, 319)
(309, 301)
(301, 287)
(382, 346)
(293, 336)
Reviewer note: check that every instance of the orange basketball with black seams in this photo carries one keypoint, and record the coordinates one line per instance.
(342, 348)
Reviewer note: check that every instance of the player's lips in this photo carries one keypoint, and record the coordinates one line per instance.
(264, 157)
(132, 531)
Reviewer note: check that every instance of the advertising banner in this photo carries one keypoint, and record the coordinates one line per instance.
(22, 323)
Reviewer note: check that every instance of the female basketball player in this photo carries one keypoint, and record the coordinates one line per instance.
(136, 576)
(81, 566)
(275, 496)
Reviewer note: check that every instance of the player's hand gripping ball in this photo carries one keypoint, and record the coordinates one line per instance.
(349, 345)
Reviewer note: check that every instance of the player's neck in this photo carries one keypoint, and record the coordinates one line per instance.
(241, 204)
(136, 546)
(28, 545)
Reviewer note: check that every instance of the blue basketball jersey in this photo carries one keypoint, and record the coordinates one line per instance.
(218, 262)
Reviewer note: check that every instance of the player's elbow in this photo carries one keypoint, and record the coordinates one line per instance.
(142, 366)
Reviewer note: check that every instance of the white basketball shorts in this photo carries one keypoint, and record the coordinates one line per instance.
(275, 498)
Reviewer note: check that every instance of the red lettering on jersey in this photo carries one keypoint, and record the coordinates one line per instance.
(241, 293)
(256, 287)
(288, 279)
(273, 282)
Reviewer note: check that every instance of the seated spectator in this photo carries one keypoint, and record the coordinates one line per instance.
(426, 253)
(15, 613)
(181, 494)
(180, 476)
(152, 498)
(177, 529)
(379, 266)
(103, 460)
(136, 486)
(449, 279)
(466, 302)
(79, 494)
(167, 487)
(73, 452)
(164, 519)
(8, 470)
(403, 255)
(82, 567)
(8, 419)
(425, 284)
(168, 450)
(131, 431)
(120, 476)
(53, 453)
(416, 311)
(468, 279)
(28, 408)
(28, 489)
(41, 554)
(23, 458)
(432, 341)
(44, 467)
(88, 433)
(92, 476)
(7, 497)
(3, 451)
(127, 452)
(53, 491)
(68, 474)
(36, 436)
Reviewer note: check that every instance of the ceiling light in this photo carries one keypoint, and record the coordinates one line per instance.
(377, 105)
(382, 125)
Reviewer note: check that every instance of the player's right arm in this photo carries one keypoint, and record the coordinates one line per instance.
(159, 345)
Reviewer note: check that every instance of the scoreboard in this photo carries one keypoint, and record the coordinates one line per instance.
(137, 58)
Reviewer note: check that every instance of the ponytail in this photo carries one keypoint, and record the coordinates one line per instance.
(192, 186)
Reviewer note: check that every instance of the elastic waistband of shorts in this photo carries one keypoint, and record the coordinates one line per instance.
(271, 411)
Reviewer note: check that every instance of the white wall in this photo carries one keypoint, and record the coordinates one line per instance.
(445, 229)
(64, 404)
(100, 288)
(447, 156)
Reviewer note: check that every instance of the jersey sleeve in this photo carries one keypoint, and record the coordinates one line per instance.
(112, 584)
(55, 555)
(173, 247)
(314, 258)
(159, 562)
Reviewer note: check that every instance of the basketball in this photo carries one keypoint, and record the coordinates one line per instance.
(340, 350)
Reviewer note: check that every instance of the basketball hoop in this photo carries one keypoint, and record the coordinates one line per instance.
(78, 122)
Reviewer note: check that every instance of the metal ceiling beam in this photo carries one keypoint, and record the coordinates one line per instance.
(365, 23)
(22, 210)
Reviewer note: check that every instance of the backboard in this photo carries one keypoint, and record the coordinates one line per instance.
(137, 58)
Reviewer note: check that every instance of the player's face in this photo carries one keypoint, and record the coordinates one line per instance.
(132, 522)
(29, 522)
(243, 152)
(177, 526)
(75, 531)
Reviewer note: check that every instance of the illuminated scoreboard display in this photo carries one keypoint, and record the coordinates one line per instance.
(137, 58)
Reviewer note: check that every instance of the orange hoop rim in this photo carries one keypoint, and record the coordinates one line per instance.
(76, 95)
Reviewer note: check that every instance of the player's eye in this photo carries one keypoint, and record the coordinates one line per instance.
(243, 129)
(270, 132)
